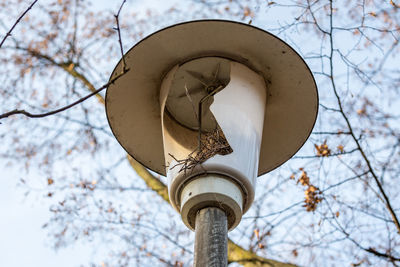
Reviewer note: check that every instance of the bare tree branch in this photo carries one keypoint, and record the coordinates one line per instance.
(41, 115)
(119, 36)
(67, 68)
(15, 24)
(370, 249)
(326, 156)
(370, 168)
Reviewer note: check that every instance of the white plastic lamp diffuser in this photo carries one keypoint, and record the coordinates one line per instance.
(212, 104)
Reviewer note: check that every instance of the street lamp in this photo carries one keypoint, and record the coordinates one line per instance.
(212, 104)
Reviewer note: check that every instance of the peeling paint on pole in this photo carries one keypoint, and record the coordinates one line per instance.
(211, 245)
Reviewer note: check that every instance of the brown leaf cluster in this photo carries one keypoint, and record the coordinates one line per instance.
(50, 181)
(312, 198)
(260, 238)
(87, 185)
(312, 193)
(322, 150)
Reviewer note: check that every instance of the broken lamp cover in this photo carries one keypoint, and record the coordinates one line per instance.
(212, 112)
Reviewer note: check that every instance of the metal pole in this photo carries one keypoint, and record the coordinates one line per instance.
(211, 241)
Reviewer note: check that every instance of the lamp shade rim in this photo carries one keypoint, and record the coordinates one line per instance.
(132, 101)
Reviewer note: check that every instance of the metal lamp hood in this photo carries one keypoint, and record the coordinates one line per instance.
(132, 102)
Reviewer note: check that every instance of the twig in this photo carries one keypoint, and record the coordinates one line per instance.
(211, 91)
(212, 143)
(15, 24)
(331, 133)
(326, 156)
(349, 126)
(95, 92)
(348, 236)
(191, 101)
(119, 35)
(65, 66)
(30, 115)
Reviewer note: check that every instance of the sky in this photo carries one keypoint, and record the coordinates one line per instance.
(23, 242)
(22, 239)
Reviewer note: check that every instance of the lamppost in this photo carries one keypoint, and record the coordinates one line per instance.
(212, 104)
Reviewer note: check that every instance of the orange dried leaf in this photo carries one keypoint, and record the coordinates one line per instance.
(394, 4)
(304, 179)
(361, 112)
(246, 12)
(312, 188)
(322, 150)
(71, 67)
(257, 233)
(50, 181)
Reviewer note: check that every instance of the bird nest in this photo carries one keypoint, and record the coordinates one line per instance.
(210, 144)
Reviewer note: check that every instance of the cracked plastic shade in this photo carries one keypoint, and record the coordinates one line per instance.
(132, 102)
(238, 109)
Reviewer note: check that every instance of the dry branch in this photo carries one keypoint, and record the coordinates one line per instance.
(94, 91)
(350, 128)
(42, 115)
(212, 143)
(16, 22)
(118, 29)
